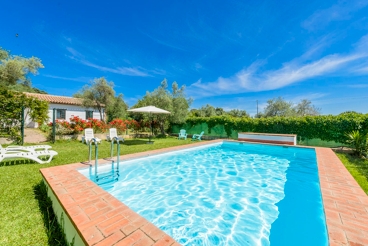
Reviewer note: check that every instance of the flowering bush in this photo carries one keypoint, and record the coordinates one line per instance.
(62, 127)
(122, 125)
(77, 125)
(119, 124)
(98, 125)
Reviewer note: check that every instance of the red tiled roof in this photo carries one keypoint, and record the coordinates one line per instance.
(56, 99)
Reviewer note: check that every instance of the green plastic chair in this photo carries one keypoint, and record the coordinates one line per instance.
(182, 134)
(197, 136)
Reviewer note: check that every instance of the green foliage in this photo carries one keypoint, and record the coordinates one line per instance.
(210, 111)
(45, 128)
(220, 111)
(358, 141)
(326, 127)
(305, 107)
(55, 233)
(15, 69)
(98, 95)
(11, 109)
(25, 87)
(207, 111)
(238, 113)
(279, 107)
(117, 108)
(174, 102)
(180, 104)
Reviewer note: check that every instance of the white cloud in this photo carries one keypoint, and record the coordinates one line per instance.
(359, 85)
(129, 71)
(338, 12)
(118, 70)
(363, 69)
(250, 80)
(78, 79)
(75, 54)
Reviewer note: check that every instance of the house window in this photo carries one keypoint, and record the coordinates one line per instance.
(89, 114)
(60, 114)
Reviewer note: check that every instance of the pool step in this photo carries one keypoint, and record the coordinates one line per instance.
(104, 178)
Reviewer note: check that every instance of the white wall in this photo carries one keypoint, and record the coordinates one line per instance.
(71, 111)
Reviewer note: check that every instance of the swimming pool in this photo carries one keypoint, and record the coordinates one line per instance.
(227, 194)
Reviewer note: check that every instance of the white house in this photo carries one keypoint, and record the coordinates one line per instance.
(65, 108)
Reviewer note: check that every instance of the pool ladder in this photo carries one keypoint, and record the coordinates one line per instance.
(113, 175)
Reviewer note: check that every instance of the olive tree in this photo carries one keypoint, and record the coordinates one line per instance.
(99, 95)
(279, 107)
(15, 71)
(305, 107)
(174, 102)
(238, 113)
(117, 108)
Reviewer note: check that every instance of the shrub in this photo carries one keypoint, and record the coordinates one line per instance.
(77, 125)
(122, 125)
(324, 127)
(358, 141)
(98, 125)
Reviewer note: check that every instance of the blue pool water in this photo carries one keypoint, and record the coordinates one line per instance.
(227, 194)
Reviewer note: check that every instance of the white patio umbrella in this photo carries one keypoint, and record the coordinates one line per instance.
(151, 110)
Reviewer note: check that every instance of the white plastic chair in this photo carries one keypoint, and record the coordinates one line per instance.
(88, 135)
(114, 133)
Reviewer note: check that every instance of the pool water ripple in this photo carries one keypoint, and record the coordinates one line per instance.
(206, 196)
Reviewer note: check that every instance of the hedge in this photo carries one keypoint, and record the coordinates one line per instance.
(324, 127)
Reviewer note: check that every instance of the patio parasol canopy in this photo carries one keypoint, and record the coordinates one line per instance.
(149, 109)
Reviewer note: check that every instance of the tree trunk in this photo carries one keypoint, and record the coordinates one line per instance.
(101, 114)
(162, 128)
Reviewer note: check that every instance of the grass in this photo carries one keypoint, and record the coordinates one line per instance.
(358, 168)
(25, 211)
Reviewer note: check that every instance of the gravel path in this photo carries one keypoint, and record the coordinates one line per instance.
(34, 135)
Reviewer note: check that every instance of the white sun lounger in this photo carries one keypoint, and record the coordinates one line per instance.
(31, 155)
(26, 148)
(88, 135)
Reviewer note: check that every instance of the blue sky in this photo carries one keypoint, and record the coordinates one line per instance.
(227, 53)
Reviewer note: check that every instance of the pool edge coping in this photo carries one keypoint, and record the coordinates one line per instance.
(100, 219)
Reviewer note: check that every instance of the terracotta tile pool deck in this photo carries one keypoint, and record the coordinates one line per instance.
(101, 219)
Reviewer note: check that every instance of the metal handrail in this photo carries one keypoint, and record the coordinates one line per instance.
(118, 152)
(96, 154)
(93, 140)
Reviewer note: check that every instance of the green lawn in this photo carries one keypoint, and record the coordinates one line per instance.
(357, 167)
(26, 217)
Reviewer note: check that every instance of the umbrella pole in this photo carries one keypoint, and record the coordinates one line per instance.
(149, 137)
